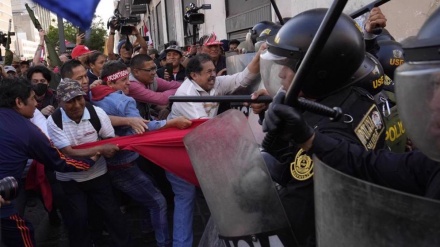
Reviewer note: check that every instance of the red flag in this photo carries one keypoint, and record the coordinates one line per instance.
(163, 147)
(36, 180)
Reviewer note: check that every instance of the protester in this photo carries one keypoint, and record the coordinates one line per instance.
(125, 49)
(11, 71)
(211, 46)
(233, 44)
(72, 125)
(123, 169)
(150, 92)
(81, 53)
(21, 140)
(174, 58)
(95, 62)
(24, 66)
(40, 76)
(75, 70)
(202, 81)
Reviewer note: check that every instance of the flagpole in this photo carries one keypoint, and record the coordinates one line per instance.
(62, 47)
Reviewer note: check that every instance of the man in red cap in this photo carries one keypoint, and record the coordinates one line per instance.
(212, 47)
(80, 53)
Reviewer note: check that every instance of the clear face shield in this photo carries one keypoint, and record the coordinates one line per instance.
(276, 72)
(418, 100)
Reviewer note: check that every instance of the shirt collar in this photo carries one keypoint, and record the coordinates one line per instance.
(66, 119)
(197, 87)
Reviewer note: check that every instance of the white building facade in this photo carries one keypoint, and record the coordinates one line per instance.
(232, 19)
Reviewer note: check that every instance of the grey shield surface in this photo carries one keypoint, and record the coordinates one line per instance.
(238, 63)
(352, 212)
(233, 177)
(210, 236)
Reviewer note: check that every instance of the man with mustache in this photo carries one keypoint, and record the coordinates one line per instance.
(202, 81)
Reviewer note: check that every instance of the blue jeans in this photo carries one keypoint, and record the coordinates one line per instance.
(138, 185)
(184, 199)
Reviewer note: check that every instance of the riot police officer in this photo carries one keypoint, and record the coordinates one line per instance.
(330, 83)
(419, 107)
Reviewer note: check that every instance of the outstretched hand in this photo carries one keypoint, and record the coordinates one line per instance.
(138, 124)
(180, 122)
(108, 150)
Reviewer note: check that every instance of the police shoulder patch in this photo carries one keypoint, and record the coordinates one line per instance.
(302, 167)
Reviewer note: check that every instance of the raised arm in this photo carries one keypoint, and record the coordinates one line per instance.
(141, 41)
(111, 44)
(40, 47)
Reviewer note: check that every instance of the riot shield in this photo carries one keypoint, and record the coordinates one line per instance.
(351, 212)
(238, 63)
(236, 184)
(235, 64)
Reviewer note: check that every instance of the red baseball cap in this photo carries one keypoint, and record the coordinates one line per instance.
(212, 40)
(80, 50)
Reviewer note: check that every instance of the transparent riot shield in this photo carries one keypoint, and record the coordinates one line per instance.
(238, 63)
(351, 212)
(235, 64)
(236, 184)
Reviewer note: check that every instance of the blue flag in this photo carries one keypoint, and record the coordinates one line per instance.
(78, 12)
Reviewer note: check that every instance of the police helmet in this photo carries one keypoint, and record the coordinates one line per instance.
(418, 87)
(340, 57)
(370, 75)
(265, 34)
(390, 55)
(258, 28)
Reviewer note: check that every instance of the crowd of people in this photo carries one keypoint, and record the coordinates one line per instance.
(47, 111)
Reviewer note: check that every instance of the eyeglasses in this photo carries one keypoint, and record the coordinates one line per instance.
(154, 69)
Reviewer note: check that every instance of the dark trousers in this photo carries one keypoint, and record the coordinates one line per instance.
(74, 210)
(17, 232)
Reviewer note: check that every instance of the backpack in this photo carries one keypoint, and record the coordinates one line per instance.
(94, 119)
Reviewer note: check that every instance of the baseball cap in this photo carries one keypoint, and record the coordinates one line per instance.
(212, 40)
(174, 48)
(120, 44)
(10, 68)
(80, 50)
(69, 89)
(162, 56)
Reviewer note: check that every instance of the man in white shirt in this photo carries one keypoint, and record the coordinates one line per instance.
(202, 81)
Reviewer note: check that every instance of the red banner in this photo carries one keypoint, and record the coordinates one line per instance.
(163, 147)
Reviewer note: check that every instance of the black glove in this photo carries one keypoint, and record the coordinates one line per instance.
(287, 120)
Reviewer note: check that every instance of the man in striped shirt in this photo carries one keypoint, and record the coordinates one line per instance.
(77, 128)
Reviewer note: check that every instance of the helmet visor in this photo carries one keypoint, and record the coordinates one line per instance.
(276, 71)
(418, 99)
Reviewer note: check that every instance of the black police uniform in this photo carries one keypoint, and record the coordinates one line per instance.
(411, 172)
(293, 168)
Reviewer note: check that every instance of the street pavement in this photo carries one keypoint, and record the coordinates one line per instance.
(47, 235)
